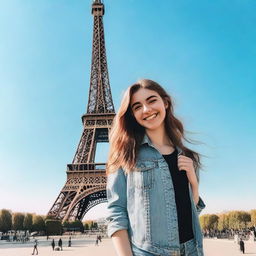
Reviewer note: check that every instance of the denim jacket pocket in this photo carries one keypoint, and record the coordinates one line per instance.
(144, 175)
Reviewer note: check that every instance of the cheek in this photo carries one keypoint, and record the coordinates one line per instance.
(136, 116)
(163, 110)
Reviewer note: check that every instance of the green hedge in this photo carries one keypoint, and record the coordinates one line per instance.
(53, 227)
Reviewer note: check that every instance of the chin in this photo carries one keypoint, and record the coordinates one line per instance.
(152, 127)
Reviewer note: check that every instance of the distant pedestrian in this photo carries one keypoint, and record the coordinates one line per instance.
(53, 244)
(35, 247)
(69, 242)
(97, 241)
(60, 243)
(236, 239)
(241, 243)
(99, 238)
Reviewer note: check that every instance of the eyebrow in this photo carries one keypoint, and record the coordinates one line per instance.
(148, 98)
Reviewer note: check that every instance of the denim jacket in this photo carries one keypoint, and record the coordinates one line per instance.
(143, 202)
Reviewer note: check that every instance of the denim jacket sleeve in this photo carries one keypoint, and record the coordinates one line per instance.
(200, 205)
(117, 217)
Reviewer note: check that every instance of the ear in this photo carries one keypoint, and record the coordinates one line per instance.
(166, 104)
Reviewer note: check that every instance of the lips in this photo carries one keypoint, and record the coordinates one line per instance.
(150, 117)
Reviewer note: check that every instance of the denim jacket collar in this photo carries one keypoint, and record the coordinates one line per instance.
(146, 140)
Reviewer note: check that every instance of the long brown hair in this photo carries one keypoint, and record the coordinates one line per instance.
(126, 134)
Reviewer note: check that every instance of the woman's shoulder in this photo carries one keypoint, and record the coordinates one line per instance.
(146, 152)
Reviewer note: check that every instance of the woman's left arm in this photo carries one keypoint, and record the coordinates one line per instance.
(186, 164)
(199, 203)
(195, 193)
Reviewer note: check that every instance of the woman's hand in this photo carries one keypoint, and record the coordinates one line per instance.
(186, 164)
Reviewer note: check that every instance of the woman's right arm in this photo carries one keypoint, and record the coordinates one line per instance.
(122, 243)
(117, 216)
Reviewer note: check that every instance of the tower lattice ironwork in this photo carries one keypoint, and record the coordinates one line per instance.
(86, 180)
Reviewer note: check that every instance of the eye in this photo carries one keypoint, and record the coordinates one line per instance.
(137, 107)
(151, 101)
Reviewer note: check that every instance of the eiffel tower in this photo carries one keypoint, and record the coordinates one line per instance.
(86, 180)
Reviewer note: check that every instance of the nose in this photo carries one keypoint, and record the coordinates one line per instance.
(146, 108)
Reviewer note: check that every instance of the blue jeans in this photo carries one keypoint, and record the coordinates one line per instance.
(186, 249)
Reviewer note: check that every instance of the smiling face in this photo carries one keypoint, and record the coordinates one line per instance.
(148, 108)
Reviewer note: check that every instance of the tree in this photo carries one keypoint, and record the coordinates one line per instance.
(253, 217)
(89, 223)
(53, 227)
(232, 220)
(76, 225)
(66, 225)
(38, 223)
(244, 218)
(209, 221)
(5, 220)
(27, 224)
(238, 219)
(17, 221)
(86, 226)
(95, 225)
(223, 222)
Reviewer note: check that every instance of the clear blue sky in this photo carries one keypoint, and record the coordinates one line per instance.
(203, 53)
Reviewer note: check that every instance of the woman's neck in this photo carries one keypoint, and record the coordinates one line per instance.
(160, 140)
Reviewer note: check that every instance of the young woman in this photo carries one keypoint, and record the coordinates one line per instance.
(152, 186)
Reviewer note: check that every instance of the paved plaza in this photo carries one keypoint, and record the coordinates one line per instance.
(86, 247)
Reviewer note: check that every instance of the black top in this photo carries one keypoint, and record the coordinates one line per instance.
(182, 199)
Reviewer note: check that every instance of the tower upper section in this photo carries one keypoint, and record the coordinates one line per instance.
(100, 98)
(97, 8)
